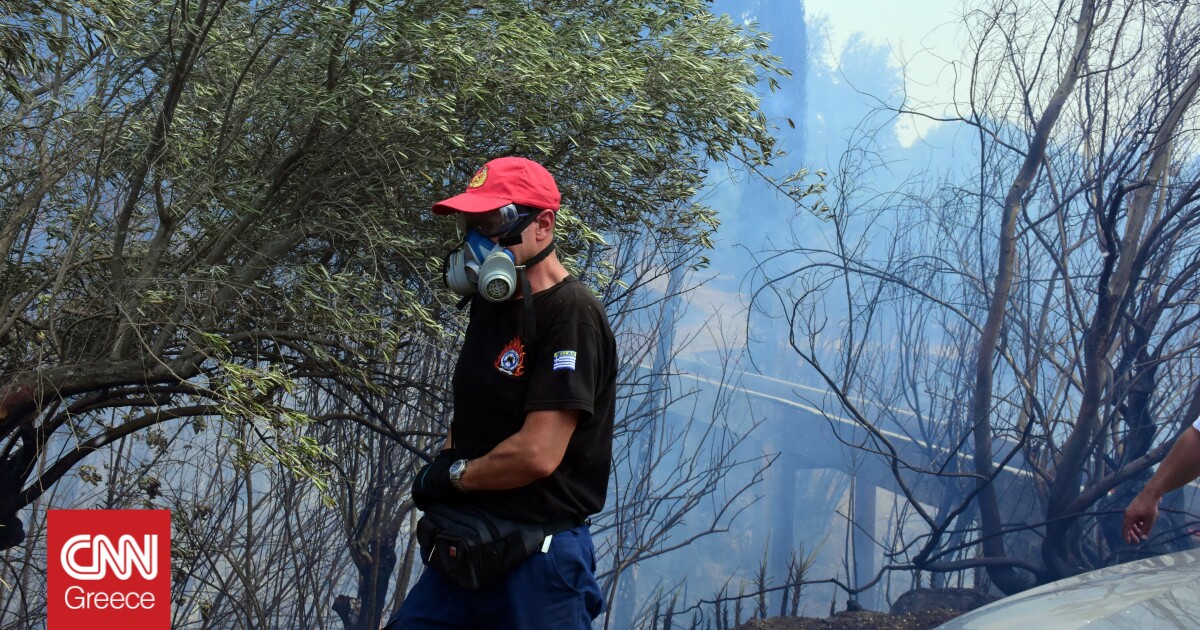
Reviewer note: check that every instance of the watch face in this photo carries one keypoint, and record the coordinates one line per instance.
(457, 467)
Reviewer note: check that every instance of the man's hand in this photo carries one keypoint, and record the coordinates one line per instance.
(1180, 467)
(432, 483)
(1140, 517)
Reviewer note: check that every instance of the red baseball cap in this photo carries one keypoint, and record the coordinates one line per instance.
(501, 182)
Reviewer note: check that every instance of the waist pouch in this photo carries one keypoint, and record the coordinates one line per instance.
(474, 548)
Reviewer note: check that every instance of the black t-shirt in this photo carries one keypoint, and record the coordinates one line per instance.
(572, 364)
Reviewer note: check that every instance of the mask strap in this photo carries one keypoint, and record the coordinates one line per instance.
(530, 319)
(540, 256)
(513, 236)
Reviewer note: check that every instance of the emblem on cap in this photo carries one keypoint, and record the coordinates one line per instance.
(479, 178)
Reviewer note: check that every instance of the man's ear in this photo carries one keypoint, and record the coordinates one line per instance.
(545, 223)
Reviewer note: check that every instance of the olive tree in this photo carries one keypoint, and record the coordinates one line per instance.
(208, 207)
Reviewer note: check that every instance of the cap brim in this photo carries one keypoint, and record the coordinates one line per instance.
(469, 202)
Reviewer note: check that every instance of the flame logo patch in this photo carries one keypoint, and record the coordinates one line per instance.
(478, 179)
(512, 358)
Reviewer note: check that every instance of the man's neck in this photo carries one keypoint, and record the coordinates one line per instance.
(546, 273)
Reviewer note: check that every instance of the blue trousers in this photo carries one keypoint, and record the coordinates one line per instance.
(556, 590)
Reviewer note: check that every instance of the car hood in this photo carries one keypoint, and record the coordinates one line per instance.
(1158, 592)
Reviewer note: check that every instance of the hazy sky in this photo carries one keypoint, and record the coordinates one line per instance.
(894, 23)
(922, 39)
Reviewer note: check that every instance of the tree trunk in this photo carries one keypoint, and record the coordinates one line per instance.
(1115, 282)
(1006, 578)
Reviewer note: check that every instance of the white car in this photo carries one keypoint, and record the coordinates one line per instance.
(1158, 592)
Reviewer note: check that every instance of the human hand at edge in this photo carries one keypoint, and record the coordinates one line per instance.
(1139, 518)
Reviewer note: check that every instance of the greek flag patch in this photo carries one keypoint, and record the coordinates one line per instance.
(565, 360)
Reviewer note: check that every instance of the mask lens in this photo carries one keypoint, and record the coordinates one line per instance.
(495, 223)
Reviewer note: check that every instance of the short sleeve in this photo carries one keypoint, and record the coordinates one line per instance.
(566, 368)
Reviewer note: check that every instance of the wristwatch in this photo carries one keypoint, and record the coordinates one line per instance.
(456, 472)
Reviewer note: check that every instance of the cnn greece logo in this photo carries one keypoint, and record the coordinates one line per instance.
(120, 557)
(109, 568)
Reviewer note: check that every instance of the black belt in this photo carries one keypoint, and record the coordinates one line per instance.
(563, 525)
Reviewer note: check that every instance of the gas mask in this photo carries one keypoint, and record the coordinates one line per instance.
(481, 266)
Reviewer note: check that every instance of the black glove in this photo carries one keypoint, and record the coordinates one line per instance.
(432, 483)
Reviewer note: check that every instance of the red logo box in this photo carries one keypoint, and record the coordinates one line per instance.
(109, 569)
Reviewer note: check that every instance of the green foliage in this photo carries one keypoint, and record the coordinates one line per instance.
(219, 207)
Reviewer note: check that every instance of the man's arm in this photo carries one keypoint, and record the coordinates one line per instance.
(1178, 468)
(530, 454)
